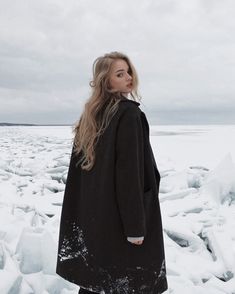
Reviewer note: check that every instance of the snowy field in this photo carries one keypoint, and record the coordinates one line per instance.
(197, 198)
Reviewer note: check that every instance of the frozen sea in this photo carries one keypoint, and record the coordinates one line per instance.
(197, 199)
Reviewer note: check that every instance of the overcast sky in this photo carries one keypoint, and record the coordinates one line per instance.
(184, 53)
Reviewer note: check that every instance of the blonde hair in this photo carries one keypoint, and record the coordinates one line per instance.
(99, 108)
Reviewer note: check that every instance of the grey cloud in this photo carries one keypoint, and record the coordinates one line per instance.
(183, 52)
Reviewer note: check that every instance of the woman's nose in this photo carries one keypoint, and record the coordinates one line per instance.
(129, 77)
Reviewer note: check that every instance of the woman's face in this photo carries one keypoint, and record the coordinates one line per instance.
(120, 80)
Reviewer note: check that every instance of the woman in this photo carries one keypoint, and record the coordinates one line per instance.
(111, 238)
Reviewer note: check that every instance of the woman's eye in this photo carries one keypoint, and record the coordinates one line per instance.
(119, 75)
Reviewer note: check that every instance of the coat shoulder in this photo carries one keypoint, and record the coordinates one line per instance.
(130, 107)
(129, 101)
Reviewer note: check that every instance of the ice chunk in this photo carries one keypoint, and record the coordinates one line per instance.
(54, 187)
(172, 208)
(220, 244)
(180, 232)
(216, 284)
(176, 194)
(24, 288)
(220, 182)
(9, 282)
(36, 251)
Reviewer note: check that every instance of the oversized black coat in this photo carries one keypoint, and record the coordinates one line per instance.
(117, 198)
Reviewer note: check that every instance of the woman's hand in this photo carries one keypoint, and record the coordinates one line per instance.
(136, 240)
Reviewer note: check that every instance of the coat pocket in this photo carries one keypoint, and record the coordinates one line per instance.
(148, 206)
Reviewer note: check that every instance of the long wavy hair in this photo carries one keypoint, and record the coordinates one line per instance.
(99, 108)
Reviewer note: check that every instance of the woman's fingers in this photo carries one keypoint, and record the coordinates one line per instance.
(137, 242)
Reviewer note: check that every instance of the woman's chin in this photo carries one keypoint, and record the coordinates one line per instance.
(125, 94)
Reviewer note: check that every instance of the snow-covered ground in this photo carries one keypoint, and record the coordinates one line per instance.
(197, 198)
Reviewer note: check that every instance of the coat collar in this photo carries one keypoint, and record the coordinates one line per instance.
(124, 99)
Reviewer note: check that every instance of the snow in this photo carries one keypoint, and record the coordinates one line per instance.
(197, 199)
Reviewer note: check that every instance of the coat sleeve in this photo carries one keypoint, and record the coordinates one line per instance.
(130, 173)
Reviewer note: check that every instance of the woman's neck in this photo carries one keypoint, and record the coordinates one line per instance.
(125, 95)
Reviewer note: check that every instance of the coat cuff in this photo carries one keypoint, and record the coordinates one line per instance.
(130, 239)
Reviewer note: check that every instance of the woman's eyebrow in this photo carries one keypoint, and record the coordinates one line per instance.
(119, 70)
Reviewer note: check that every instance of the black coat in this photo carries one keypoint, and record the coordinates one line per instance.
(117, 198)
